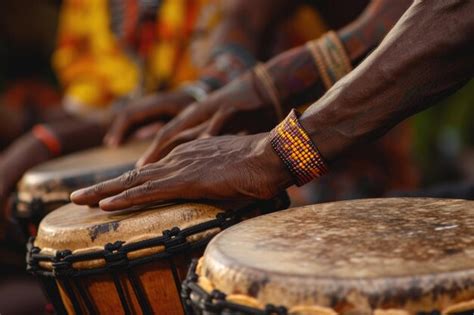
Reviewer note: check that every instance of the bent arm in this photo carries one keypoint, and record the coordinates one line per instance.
(237, 39)
(294, 72)
(426, 56)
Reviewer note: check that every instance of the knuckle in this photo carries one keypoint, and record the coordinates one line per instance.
(148, 187)
(129, 178)
(127, 195)
(98, 188)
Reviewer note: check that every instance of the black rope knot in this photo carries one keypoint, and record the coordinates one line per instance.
(226, 219)
(112, 247)
(114, 255)
(174, 241)
(61, 266)
(218, 295)
(32, 264)
(171, 233)
(61, 254)
(271, 309)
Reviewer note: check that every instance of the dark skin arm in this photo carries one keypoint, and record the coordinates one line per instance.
(27, 151)
(426, 56)
(296, 79)
(243, 24)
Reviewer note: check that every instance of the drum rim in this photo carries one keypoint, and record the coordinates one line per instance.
(304, 276)
(37, 170)
(174, 241)
(319, 282)
(216, 300)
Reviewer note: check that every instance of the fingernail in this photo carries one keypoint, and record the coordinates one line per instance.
(76, 195)
(105, 202)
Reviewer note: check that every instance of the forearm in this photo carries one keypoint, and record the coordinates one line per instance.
(236, 40)
(427, 55)
(295, 73)
(43, 144)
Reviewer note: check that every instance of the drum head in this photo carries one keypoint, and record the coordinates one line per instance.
(410, 253)
(80, 228)
(55, 180)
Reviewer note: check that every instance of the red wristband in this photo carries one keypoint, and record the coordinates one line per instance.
(295, 148)
(48, 138)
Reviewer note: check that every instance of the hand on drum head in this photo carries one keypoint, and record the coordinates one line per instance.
(235, 108)
(219, 168)
(144, 111)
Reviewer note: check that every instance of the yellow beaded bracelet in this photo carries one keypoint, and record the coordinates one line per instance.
(297, 151)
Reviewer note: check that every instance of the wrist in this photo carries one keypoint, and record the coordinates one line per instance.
(330, 57)
(266, 90)
(271, 163)
(44, 135)
(227, 63)
(296, 77)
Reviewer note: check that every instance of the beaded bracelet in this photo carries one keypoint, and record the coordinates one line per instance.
(297, 151)
(330, 58)
(48, 138)
(262, 75)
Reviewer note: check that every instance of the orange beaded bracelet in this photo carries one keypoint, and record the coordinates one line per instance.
(48, 138)
(330, 58)
(297, 151)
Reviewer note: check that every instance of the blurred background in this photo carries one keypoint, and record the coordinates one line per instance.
(436, 146)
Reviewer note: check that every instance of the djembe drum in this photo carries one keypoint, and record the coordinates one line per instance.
(127, 262)
(375, 256)
(48, 186)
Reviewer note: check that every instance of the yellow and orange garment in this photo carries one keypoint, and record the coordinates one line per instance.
(96, 67)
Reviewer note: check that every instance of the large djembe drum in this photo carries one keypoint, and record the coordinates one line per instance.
(127, 262)
(48, 186)
(375, 256)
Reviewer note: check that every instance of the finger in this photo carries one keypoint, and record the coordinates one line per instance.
(93, 194)
(120, 126)
(148, 131)
(183, 137)
(216, 125)
(148, 192)
(189, 118)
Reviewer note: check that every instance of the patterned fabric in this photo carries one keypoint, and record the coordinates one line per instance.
(90, 64)
(109, 50)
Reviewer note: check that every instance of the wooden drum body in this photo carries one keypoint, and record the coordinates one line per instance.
(48, 186)
(126, 262)
(377, 256)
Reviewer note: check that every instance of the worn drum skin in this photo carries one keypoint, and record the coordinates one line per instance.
(48, 186)
(126, 262)
(373, 256)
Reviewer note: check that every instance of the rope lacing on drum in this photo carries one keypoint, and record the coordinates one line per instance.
(197, 300)
(115, 255)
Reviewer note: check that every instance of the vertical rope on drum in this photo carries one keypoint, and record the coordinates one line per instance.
(51, 290)
(72, 296)
(85, 297)
(176, 279)
(121, 294)
(142, 299)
